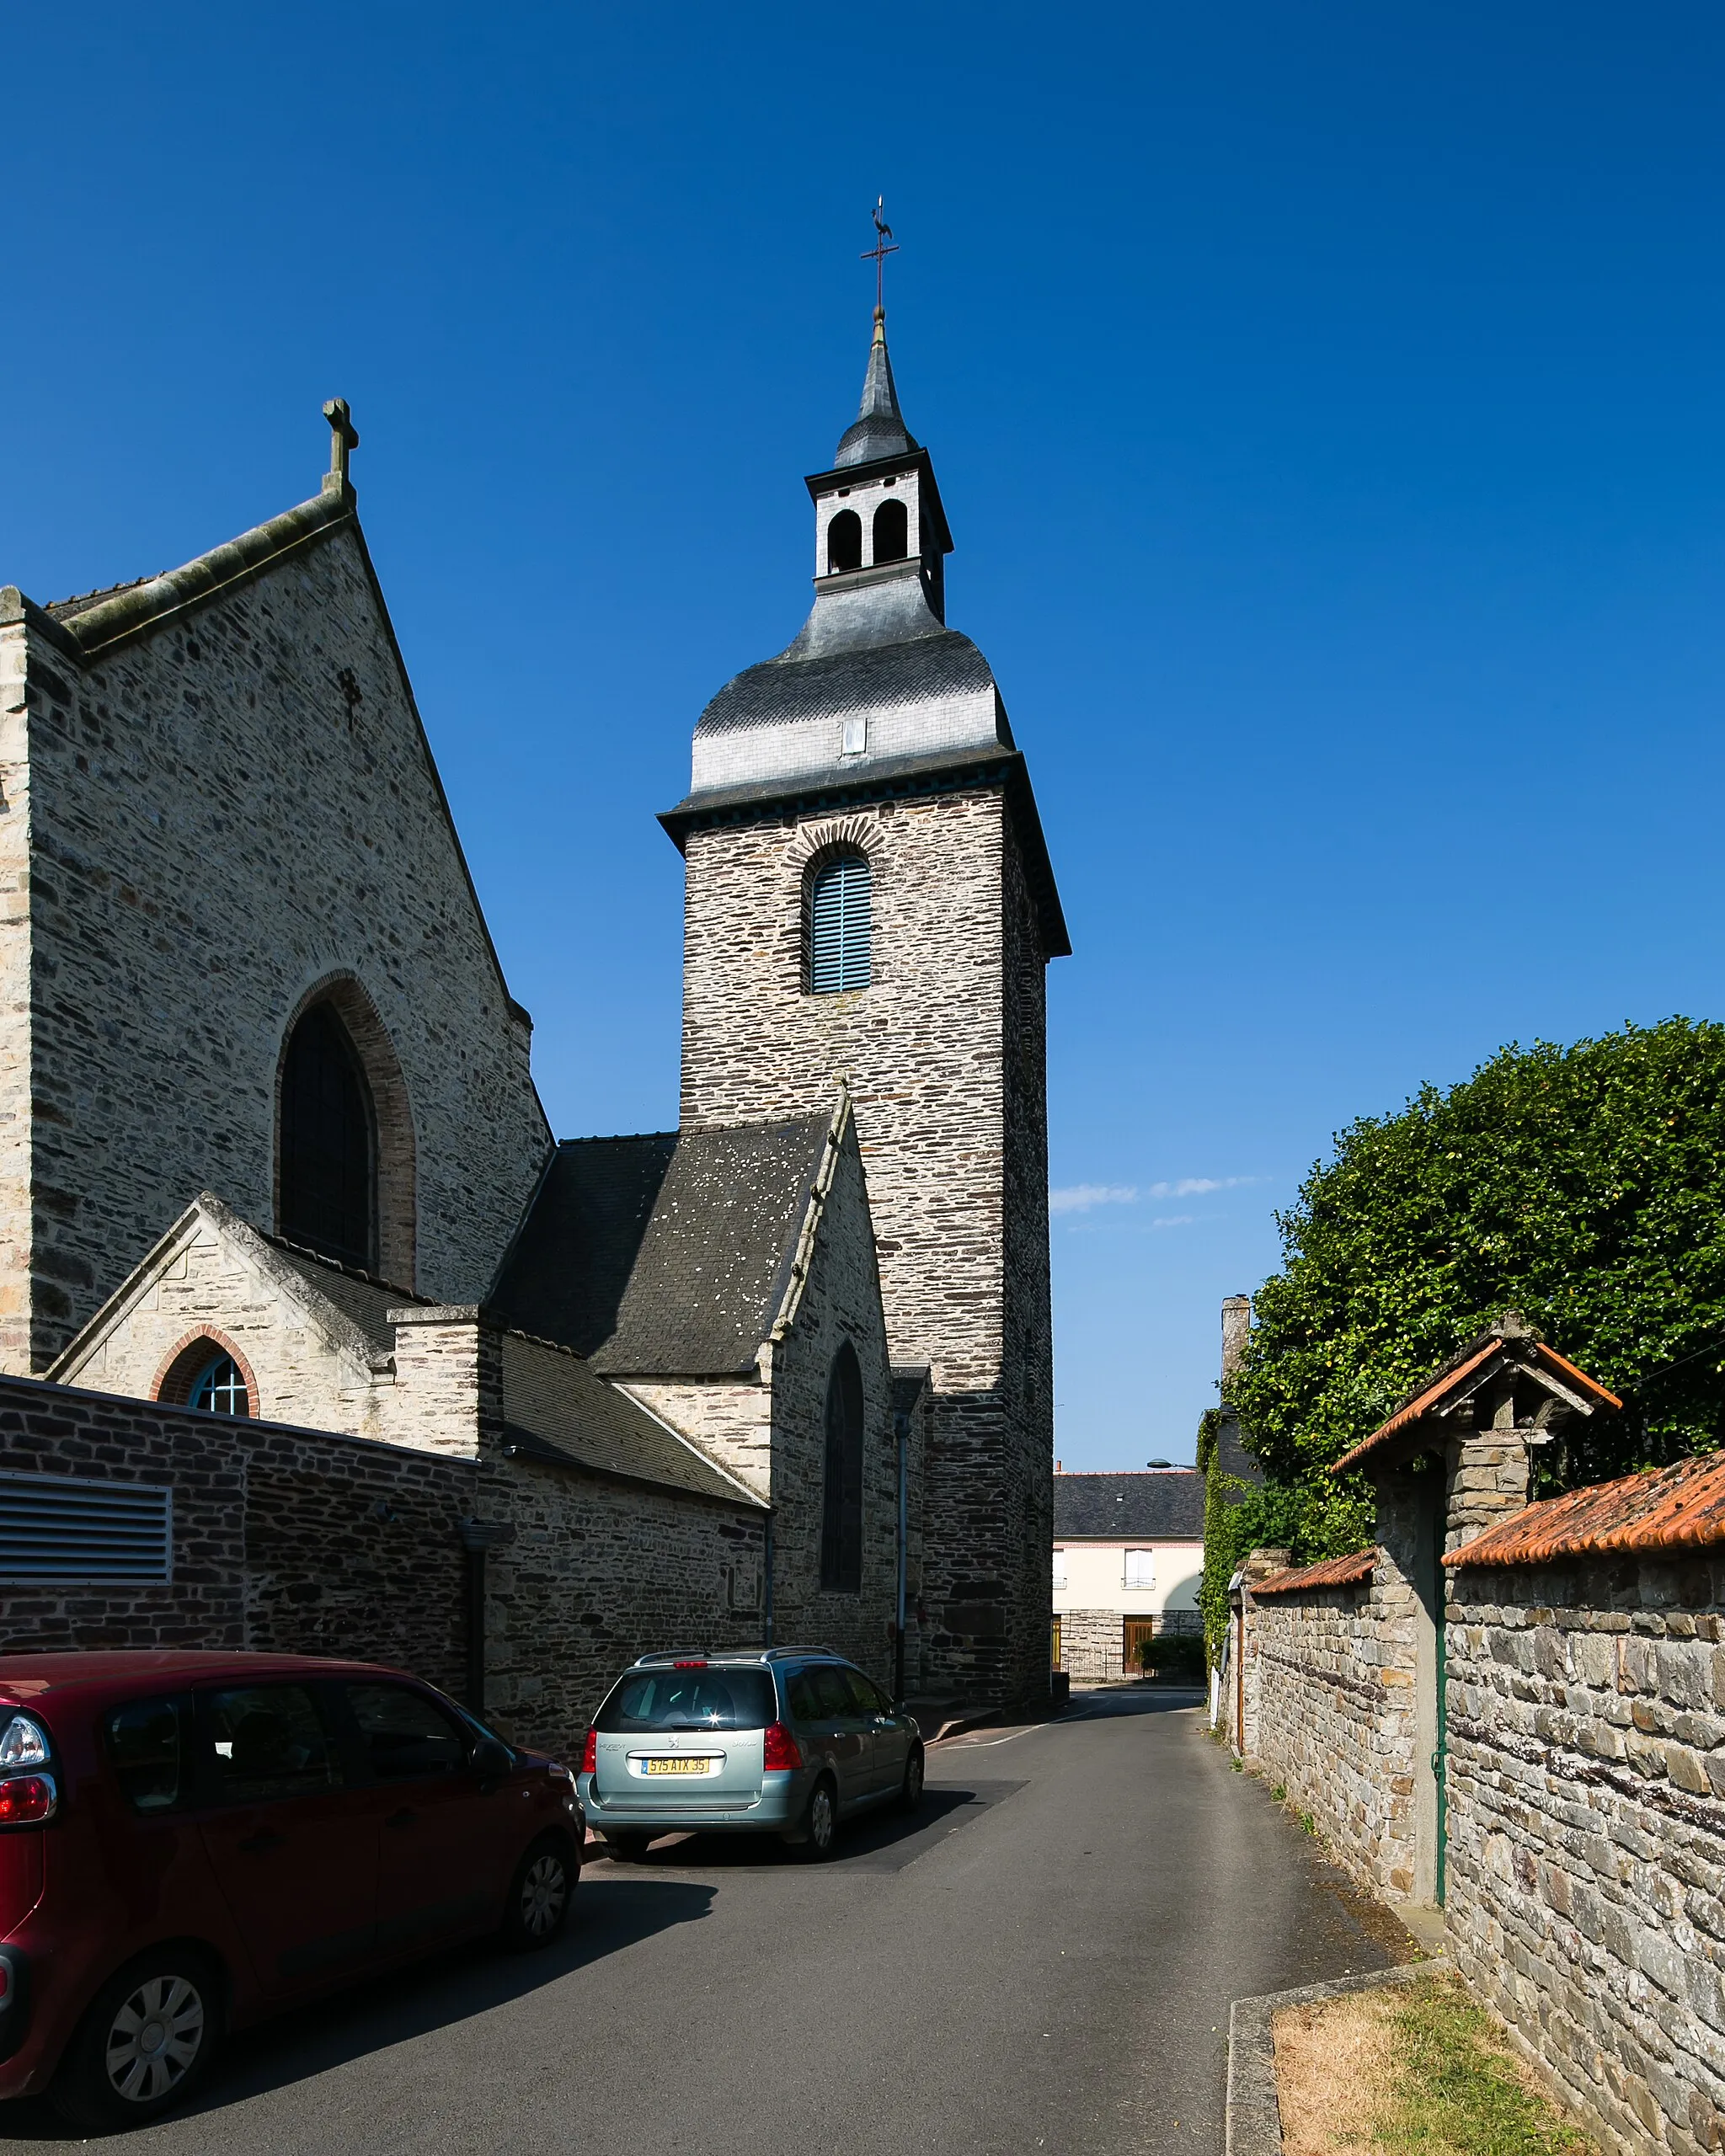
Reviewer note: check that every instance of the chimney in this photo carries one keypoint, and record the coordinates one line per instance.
(1236, 1331)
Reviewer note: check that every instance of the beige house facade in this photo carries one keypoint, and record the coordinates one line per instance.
(1127, 1563)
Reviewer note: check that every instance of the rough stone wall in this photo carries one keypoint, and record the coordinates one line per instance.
(840, 1301)
(23, 652)
(287, 1540)
(599, 1573)
(952, 1147)
(301, 1541)
(1587, 1832)
(1335, 1719)
(224, 811)
(1092, 1646)
(729, 1418)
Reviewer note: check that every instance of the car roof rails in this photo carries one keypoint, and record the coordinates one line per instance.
(782, 1654)
(673, 1654)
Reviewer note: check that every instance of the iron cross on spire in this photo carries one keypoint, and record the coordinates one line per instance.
(343, 439)
(885, 244)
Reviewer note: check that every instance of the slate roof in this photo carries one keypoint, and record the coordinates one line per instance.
(363, 1301)
(1165, 1505)
(910, 670)
(664, 1254)
(879, 428)
(556, 1409)
(1334, 1573)
(1649, 1515)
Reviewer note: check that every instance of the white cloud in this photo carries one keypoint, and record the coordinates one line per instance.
(1173, 1221)
(1081, 1197)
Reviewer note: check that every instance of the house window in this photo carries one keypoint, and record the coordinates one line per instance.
(1140, 1568)
(328, 1144)
(841, 1507)
(1059, 1570)
(840, 925)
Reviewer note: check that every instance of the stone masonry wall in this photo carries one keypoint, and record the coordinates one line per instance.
(840, 1301)
(225, 810)
(949, 1145)
(1586, 1709)
(1334, 1722)
(303, 1541)
(19, 652)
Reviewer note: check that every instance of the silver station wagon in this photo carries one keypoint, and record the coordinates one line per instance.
(788, 1741)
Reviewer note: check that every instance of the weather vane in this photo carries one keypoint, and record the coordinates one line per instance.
(885, 244)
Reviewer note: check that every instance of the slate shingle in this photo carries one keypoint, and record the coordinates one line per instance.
(1162, 1506)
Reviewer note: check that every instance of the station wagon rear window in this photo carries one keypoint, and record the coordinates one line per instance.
(649, 1699)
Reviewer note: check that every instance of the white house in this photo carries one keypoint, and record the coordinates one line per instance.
(1128, 1559)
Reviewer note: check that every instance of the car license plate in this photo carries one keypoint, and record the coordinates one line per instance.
(680, 1766)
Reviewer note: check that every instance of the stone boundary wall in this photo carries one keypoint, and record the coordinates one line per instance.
(309, 1542)
(1335, 1721)
(1586, 1873)
(1092, 1642)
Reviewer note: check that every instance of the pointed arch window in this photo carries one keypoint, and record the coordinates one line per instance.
(329, 1201)
(841, 1504)
(840, 925)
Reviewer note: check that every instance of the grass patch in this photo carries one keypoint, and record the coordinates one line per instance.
(1418, 2070)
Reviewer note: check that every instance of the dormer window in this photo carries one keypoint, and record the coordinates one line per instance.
(892, 532)
(844, 542)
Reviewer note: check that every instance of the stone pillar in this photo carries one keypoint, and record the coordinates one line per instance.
(448, 1392)
(1487, 1480)
(1258, 1565)
(1236, 1331)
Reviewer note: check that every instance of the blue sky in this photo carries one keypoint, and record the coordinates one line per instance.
(1326, 399)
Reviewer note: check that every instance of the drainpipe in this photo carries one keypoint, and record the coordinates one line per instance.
(479, 1536)
(901, 1426)
(767, 1596)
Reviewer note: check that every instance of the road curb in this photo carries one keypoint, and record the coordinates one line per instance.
(1254, 2119)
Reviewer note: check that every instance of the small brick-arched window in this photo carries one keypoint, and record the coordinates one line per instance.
(844, 542)
(841, 924)
(206, 1371)
(841, 1503)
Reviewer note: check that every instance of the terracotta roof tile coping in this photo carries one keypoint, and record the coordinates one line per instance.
(1660, 1511)
(1447, 1382)
(1334, 1571)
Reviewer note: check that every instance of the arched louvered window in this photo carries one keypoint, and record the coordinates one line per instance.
(328, 1200)
(892, 532)
(840, 926)
(841, 1505)
(844, 542)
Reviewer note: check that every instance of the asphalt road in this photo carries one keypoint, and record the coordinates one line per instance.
(1043, 1959)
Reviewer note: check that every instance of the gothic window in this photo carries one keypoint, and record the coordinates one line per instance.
(892, 532)
(841, 1506)
(328, 1169)
(841, 929)
(219, 1389)
(844, 542)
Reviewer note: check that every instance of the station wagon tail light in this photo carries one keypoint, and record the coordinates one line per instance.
(24, 1743)
(688, 1665)
(779, 1751)
(589, 1753)
(27, 1800)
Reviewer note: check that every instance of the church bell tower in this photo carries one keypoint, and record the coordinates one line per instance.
(870, 897)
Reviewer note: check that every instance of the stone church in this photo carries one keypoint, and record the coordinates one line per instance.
(270, 1147)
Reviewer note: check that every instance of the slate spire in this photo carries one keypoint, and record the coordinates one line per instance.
(879, 428)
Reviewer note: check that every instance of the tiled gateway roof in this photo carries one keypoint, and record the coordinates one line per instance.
(1457, 1373)
(1665, 1510)
(1165, 1505)
(1334, 1572)
(666, 1255)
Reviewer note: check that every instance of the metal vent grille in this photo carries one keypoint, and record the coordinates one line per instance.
(840, 926)
(58, 1527)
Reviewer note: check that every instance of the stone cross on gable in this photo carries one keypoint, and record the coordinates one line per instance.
(344, 439)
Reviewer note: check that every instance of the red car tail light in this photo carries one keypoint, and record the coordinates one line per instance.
(589, 1753)
(27, 1800)
(779, 1751)
(688, 1665)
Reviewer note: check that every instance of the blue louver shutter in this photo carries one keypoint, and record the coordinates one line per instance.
(839, 926)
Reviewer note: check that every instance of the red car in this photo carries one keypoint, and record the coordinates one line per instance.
(190, 1842)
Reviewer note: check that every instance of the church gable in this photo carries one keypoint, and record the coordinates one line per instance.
(234, 817)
